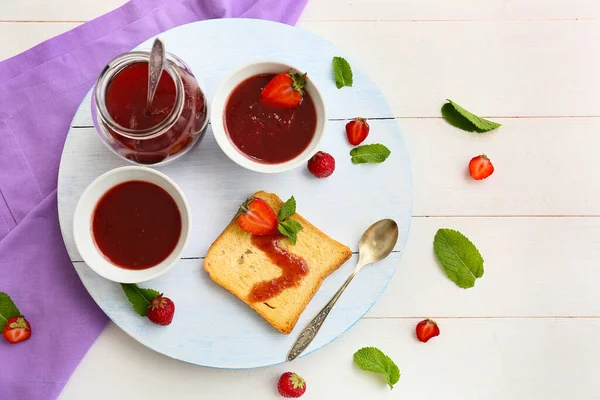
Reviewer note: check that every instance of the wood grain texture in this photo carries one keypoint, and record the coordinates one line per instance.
(534, 267)
(215, 186)
(214, 328)
(494, 68)
(335, 10)
(533, 176)
(471, 360)
(435, 10)
(529, 68)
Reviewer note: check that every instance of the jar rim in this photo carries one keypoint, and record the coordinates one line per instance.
(112, 69)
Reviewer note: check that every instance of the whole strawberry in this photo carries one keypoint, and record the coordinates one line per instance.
(321, 165)
(161, 310)
(291, 385)
(17, 329)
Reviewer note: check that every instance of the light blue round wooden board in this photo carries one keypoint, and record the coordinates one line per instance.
(212, 327)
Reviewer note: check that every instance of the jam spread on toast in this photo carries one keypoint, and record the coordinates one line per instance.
(293, 268)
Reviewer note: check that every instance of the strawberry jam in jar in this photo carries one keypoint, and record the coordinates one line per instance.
(174, 123)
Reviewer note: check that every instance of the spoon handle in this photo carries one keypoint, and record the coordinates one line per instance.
(311, 330)
(155, 68)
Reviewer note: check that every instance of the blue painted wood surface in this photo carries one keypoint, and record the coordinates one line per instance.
(212, 327)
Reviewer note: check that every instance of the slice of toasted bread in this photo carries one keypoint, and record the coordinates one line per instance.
(234, 263)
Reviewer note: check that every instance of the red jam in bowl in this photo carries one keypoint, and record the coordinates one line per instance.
(136, 225)
(176, 120)
(263, 133)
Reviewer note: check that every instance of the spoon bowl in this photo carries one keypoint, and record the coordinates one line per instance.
(378, 241)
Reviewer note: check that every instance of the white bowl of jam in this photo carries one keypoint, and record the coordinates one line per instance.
(131, 224)
(260, 137)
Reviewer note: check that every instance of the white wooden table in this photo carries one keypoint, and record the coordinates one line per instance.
(530, 329)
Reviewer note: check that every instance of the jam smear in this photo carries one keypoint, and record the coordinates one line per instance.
(136, 225)
(293, 268)
(267, 134)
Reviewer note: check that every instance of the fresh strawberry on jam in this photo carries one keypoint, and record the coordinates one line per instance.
(17, 329)
(257, 217)
(284, 90)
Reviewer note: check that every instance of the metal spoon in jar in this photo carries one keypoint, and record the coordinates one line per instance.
(376, 243)
(155, 68)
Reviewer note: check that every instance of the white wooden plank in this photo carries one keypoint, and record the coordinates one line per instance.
(516, 62)
(320, 10)
(215, 186)
(542, 167)
(533, 267)
(510, 68)
(435, 10)
(470, 360)
(56, 10)
(16, 37)
(525, 273)
(203, 331)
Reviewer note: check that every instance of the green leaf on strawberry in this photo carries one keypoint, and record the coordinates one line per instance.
(140, 298)
(8, 309)
(287, 209)
(288, 227)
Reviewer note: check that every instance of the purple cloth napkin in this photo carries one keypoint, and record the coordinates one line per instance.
(40, 91)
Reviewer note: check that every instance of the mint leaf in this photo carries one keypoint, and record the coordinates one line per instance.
(372, 359)
(287, 209)
(8, 309)
(342, 72)
(457, 116)
(370, 153)
(460, 259)
(139, 298)
(290, 228)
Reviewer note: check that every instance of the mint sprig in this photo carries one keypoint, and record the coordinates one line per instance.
(342, 72)
(372, 359)
(8, 309)
(459, 257)
(370, 153)
(139, 298)
(459, 117)
(288, 227)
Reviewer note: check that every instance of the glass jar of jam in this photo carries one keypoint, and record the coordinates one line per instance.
(175, 122)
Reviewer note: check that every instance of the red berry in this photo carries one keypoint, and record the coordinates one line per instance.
(427, 329)
(357, 131)
(257, 217)
(480, 167)
(321, 165)
(291, 385)
(17, 329)
(161, 310)
(284, 90)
